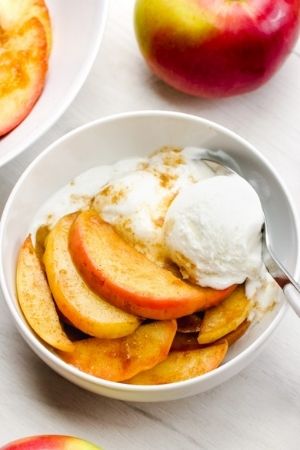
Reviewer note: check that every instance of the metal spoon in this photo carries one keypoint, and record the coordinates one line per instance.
(226, 165)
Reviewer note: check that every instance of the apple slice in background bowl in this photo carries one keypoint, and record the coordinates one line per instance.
(71, 58)
(24, 66)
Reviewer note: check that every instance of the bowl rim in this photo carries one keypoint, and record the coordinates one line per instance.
(81, 77)
(42, 349)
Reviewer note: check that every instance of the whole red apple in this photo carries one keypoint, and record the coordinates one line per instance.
(50, 442)
(216, 48)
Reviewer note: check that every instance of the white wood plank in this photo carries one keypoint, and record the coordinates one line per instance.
(258, 409)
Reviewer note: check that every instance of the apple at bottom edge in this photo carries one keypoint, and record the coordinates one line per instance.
(50, 442)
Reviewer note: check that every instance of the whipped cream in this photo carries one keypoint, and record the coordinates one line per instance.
(79, 193)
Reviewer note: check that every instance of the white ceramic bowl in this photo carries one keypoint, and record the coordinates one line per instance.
(106, 141)
(77, 33)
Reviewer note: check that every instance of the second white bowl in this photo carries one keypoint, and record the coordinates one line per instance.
(77, 34)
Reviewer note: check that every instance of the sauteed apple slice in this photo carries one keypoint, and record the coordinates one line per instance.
(236, 334)
(35, 299)
(84, 309)
(13, 13)
(185, 341)
(181, 366)
(225, 317)
(189, 341)
(127, 279)
(23, 68)
(189, 324)
(120, 359)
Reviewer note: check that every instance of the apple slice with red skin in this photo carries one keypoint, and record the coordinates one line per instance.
(127, 279)
(23, 69)
(82, 307)
(50, 442)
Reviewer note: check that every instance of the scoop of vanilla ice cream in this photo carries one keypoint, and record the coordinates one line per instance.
(136, 203)
(213, 232)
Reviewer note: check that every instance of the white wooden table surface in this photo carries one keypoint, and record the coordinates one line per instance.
(258, 409)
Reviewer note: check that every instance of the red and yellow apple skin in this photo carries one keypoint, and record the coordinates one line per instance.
(127, 279)
(51, 442)
(216, 48)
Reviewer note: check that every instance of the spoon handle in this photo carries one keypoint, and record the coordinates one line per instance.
(292, 295)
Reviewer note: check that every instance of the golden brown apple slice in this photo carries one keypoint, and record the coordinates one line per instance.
(38, 8)
(189, 324)
(120, 359)
(225, 317)
(181, 366)
(40, 240)
(13, 13)
(23, 68)
(189, 341)
(84, 309)
(35, 299)
(236, 334)
(127, 279)
(185, 341)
